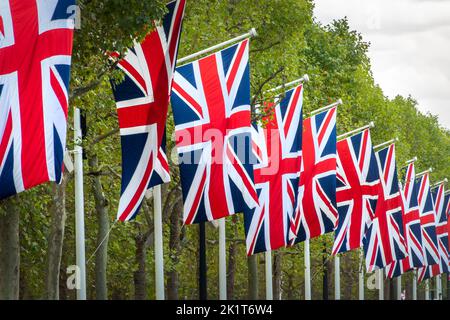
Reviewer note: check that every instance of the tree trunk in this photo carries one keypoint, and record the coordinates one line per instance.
(9, 250)
(325, 266)
(232, 260)
(277, 259)
(101, 256)
(252, 262)
(140, 278)
(56, 240)
(174, 251)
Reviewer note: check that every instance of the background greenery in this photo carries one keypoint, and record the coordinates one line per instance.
(290, 43)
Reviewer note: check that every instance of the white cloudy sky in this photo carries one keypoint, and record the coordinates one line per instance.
(410, 46)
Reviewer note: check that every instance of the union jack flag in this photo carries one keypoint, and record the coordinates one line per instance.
(384, 241)
(428, 221)
(278, 151)
(438, 195)
(356, 192)
(211, 108)
(447, 210)
(316, 212)
(35, 56)
(412, 227)
(142, 100)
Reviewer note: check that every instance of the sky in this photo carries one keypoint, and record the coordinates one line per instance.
(410, 46)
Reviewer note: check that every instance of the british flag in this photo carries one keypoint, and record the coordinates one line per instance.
(447, 210)
(426, 272)
(142, 100)
(316, 212)
(384, 241)
(211, 108)
(356, 191)
(277, 147)
(412, 227)
(428, 221)
(35, 57)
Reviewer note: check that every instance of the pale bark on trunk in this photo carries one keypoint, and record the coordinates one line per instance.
(252, 262)
(277, 262)
(101, 256)
(9, 250)
(174, 250)
(140, 278)
(56, 240)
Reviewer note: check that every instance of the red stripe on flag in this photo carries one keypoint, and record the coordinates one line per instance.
(236, 64)
(5, 139)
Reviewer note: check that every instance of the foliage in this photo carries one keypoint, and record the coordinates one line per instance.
(289, 44)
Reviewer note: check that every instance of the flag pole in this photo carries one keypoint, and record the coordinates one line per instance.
(399, 287)
(437, 184)
(307, 271)
(438, 287)
(361, 275)
(250, 34)
(269, 288)
(380, 284)
(303, 79)
(350, 133)
(222, 261)
(337, 277)
(159, 255)
(335, 104)
(414, 291)
(430, 170)
(427, 290)
(79, 206)
(385, 144)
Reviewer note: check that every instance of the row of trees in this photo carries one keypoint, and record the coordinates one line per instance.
(37, 227)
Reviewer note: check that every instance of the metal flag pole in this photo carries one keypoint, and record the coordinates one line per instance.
(380, 284)
(430, 170)
(385, 144)
(269, 288)
(427, 290)
(335, 104)
(438, 287)
(353, 132)
(222, 261)
(399, 287)
(159, 255)
(414, 289)
(250, 34)
(361, 275)
(307, 271)
(437, 184)
(303, 79)
(79, 206)
(337, 278)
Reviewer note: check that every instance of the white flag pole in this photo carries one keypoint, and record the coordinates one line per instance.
(337, 277)
(269, 288)
(79, 206)
(438, 287)
(158, 233)
(222, 261)
(380, 284)
(427, 289)
(399, 287)
(250, 34)
(356, 131)
(414, 288)
(361, 275)
(307, 271)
